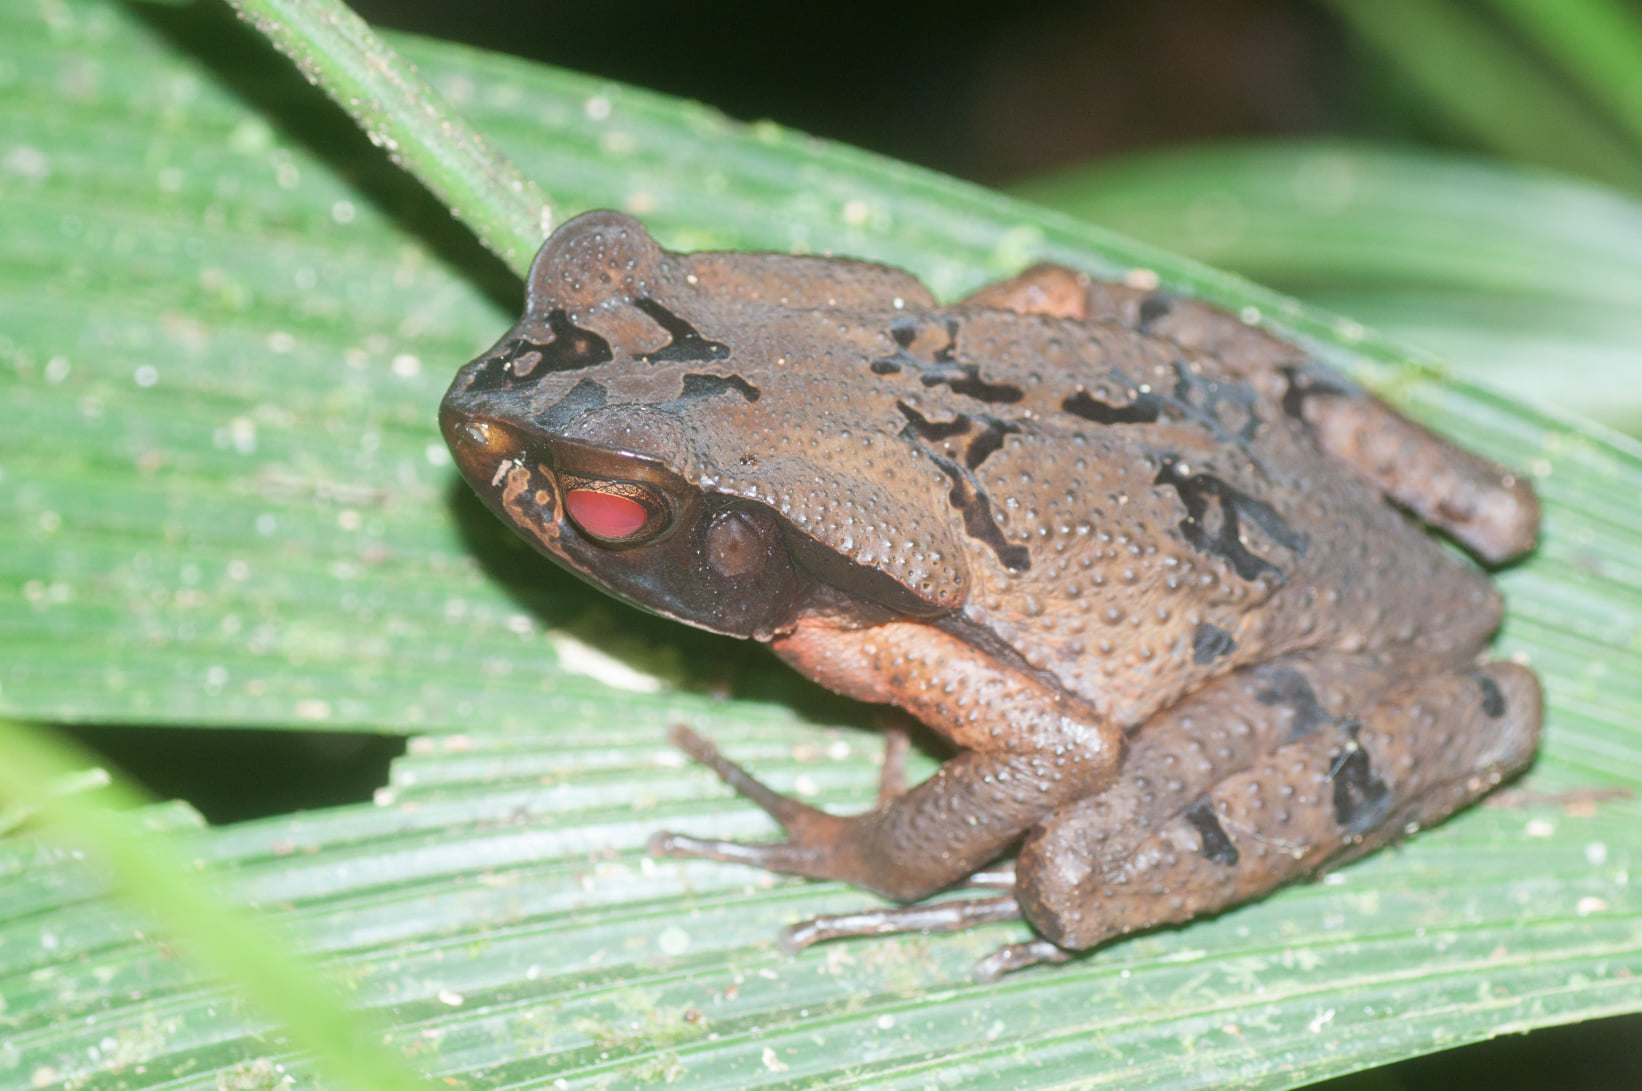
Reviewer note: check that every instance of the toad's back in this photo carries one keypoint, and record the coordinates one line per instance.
(1114, 508)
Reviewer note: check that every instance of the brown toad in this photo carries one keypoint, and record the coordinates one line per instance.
(1140, 564)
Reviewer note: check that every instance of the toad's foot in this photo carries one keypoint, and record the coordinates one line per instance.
(954, 916)
(907, 847)
(942, 917)
(814, 838)
(1018, 956)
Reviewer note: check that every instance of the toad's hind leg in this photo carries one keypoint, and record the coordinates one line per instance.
(1345, 786)
(1174, 761)
(1490, 510)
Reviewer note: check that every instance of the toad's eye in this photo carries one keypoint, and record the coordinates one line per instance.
(615, 512)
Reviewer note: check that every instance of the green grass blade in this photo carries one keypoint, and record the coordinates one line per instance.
(405, 117)
(1490, 87)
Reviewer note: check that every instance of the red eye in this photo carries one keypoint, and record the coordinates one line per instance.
(606, 515)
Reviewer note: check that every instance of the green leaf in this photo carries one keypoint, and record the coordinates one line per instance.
(225, 323)
(404, 115)
(1495, 88)
(1597, 44)
(155, 877)
(1510, 274)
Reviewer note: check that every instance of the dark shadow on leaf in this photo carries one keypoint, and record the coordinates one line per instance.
(239, 774)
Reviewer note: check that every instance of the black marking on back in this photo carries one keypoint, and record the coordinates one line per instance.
(1194, 398)
(988, 440)
(903, 331)
(522, 362)
(584, 397)
(986, 433)
(1216, 845)
(1210, 642)
(948, 353)
(1493, 701)
(687, 345)
(1143, 410)
(1309, 380)
(943, 367)
(966, 379)
(1361, 798)
(1287, 686)
(698, 388)
(966, 497)
(1198, 490)
(1153, 307)
(934, 431)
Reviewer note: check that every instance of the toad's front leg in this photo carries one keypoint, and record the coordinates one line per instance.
(1025, 749)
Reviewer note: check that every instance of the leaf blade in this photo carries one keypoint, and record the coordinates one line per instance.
(441, 898)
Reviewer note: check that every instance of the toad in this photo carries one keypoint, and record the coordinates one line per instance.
(1156, 576)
